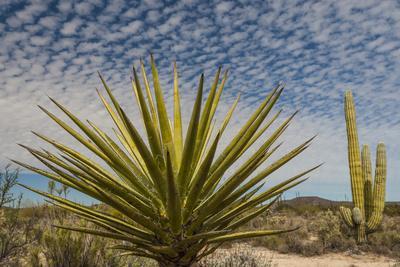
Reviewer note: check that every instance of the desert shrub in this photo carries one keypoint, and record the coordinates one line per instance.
(328, 227)
(303, 209)
(311, 248)
(319, 233)
(386, 241)
(16, 232)
(61, 248)
(240, 255)
(285, 243)
(303, 243)
(16, 235)
(392, 210)
(326, 232)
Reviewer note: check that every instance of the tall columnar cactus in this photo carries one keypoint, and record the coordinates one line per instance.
(368, 196)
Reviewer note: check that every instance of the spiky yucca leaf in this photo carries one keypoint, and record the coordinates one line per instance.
(176, 204)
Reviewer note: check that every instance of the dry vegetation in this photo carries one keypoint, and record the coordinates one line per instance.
(323, 231)
(28, 238)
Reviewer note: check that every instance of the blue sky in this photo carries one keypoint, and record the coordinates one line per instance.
(318, 48)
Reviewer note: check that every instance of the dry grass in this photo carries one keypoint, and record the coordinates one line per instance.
(322, 233)
(30, 240)
(239, 255)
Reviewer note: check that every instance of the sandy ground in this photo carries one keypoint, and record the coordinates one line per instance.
(270, 258)
(330, 260)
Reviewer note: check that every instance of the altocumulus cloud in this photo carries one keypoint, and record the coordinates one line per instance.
(319, 49)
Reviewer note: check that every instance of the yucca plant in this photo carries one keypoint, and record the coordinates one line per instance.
(174, 202)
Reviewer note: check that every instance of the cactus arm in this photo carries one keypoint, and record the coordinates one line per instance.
(379, 189)
(346, 215)
(354, 156)
(357, 217)
(367, 177)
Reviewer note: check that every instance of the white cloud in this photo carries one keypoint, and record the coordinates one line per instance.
(131, 13)
(30, 12)
(153, 15)
(13, 22)
(40, 40)
(37, 70)
(83, 8)
(132, 27)
(71, 27)
(65, 6)
(224, 7)
(49, 21)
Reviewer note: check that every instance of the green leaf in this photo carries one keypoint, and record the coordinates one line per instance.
(149, 124)
(165, 127)
(199, 180)
(189, 147)
(173, 198)
(249, 234)
(178, 137)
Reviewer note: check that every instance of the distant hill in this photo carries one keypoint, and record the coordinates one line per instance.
(322, 202)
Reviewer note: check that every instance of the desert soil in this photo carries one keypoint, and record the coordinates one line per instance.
(275, 259)
(330, 260)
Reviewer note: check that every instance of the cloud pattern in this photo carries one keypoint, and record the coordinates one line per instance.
(318, 48)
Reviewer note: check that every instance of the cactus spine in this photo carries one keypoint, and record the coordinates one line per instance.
(368, 195)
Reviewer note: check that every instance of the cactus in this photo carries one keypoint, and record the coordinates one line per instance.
(368, 196)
